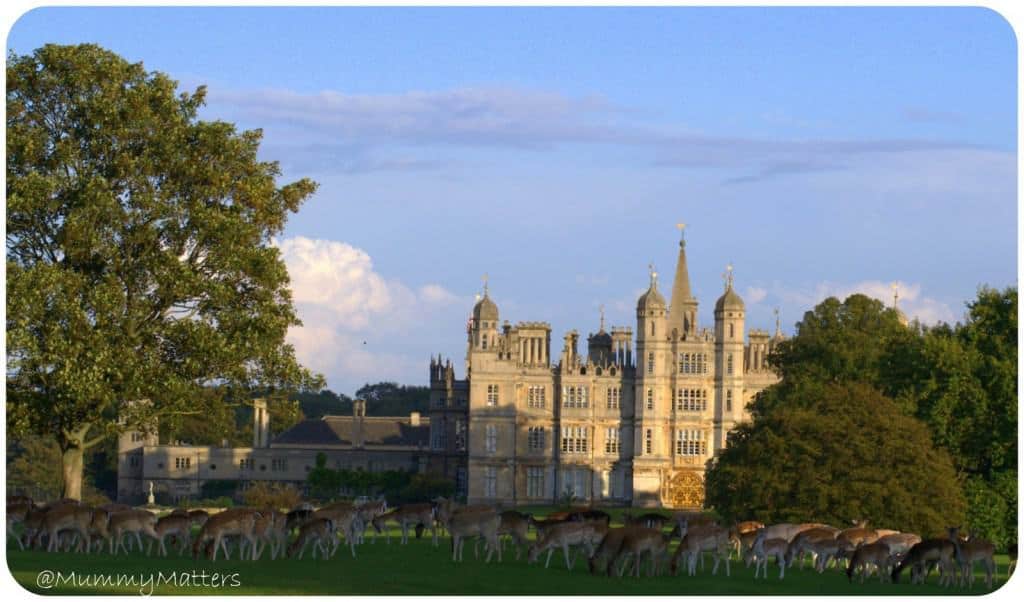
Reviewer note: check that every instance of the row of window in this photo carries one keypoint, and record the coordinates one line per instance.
(575, 481)
(577, 396)
(576, 440)
(535, 397)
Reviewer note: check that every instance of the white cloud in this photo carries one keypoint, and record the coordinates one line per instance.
(755, 294)
(346, 307)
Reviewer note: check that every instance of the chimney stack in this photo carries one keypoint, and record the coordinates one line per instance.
(260, 424)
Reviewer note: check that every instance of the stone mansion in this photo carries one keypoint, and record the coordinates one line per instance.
(625, 422)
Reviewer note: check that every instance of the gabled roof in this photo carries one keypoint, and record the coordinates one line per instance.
(388, 431)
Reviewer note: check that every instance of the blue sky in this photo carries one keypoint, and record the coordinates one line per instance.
(821, 151)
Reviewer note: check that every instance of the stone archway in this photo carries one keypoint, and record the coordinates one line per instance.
(685, 489)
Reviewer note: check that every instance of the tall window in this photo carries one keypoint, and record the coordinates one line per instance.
(534, 481)
(279, 464)
(690, 443)
(728, 401)
(460, 480)
(728, 364)
(490, 482)
(491, 438)
(732, 332)
(611, 440)
(574, 440)
(650, 362)
(691, 400)
(492, 395)
(693, 363)
(536, 397)
(535, 438)
(576, 482)
(574, 396)
(182, 463)
(650, 399)
(649, 442)
(460, 435)
(613, 397)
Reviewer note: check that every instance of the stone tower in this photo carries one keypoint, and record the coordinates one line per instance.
(650, 408)
(729, 352)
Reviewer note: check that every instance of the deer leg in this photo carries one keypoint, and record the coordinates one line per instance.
(548, 561)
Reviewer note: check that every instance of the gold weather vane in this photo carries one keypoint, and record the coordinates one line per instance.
(682, 234)
(654, 275)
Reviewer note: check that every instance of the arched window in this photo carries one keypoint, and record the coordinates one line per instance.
(728, 401)
(728, 364)
(732, 331)
(652, 329)
(650, 399)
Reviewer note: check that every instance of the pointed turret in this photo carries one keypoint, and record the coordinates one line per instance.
(682, 316)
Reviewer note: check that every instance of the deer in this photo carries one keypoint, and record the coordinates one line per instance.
(516, 525)
(597, 516)
(271, 528)
(474, 523)
(17, 511)
(738, 530)
(639, 540)
(367, 512)
(541, 526)
(899, 543)
(238, 522)
(801, 543)
(972, 551)
(99, 529)
(346, 521)
(696, 541)
(320, 531)
(130, 522)
(650, 520)
(866, 555)
(178, 526)
(937, 550)
(608, 548)
(564, 535)
(765, 548)
(70, 517)
(408, 515)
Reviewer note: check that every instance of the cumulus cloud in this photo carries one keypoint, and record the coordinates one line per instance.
(755, 294)
(347, 307)
(912, 301)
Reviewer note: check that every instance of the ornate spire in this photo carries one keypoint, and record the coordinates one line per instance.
(654, 276)
(601, 308)
(895, 295)
(485, 284)
(682, 233)
(778, 328)
(727, 275)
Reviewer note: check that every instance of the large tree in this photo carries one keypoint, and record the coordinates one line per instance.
(835, 453)
(139, 259)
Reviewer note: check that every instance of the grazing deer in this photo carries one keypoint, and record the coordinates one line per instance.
(700, 539)
(800, 545)
(130, 522)
(346, 521)
(607, 550)
(238, 522)
(474, 523)
(99, 529)
(870, 555)
(367, 512)
(320, 531)
(298, 517)
(517, 526)
(178, 526)
(17, 511)
(973, 551)
(541, 526)
(639, 540)
(940, 550)
(70, 517)
(765, 548)
(408, 515)
(564, 535)
(788, 531)
(738, 530)
(270, 529)
(899, 543)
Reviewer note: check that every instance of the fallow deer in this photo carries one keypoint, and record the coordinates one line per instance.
(346, 521)
(408, 515)
(899, 543)
(700, 539)
(173, 525)
(765, 548)
(867, 556)
(320, 531)
(973, 551)
(474, 523)
(569, 533)
(799, 547)
(130, 522)
(238, 522)
(71, 517)
(636, 541)
(939, 550)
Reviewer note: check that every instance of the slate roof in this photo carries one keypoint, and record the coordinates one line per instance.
(377, 431)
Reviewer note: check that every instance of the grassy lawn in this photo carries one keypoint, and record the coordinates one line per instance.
(419, 568)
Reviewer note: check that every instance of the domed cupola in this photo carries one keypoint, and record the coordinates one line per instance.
(729, 301)
(651, 299)
(485, 310)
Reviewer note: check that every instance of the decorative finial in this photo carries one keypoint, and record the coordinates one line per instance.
(654, 275)
(895, 295)
(485, 284)
(477, 297)
(682, 233)
(778, 328)
(602, 318)
(728, 276)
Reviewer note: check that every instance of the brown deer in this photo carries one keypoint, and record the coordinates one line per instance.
(70, 517)
(130, 522)
(408, 515)
(870, 555)
(17, 511)
(700, 539)
(636, 541)
(765, 548)
(564, 535)
(607, 550)
(238, 522)
(939, 550)
(516, 525)
(800, 545)
(973, 551)
(474, 523)
(320, 531)
(178, 526)
(346, 521)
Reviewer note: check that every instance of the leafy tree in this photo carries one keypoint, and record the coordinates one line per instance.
(323, 403)
(392, 399)
(139, 263)
(834, 452)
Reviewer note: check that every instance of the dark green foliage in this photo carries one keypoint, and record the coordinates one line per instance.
(323, 403)
(392, 399)
(397, 486)
(212, 489)
(846, 453)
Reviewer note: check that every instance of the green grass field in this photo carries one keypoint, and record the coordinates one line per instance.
(417, 568)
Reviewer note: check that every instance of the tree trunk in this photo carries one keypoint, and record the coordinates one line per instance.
(72, 461)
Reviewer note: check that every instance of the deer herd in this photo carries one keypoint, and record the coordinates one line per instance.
(860, 551)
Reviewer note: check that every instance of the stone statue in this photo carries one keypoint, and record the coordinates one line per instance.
(151, 501)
